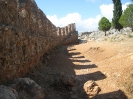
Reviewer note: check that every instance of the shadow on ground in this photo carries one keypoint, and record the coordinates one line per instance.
(112, 95)
(63, 61)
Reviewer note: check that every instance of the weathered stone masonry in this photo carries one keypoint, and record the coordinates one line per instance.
(25, 35)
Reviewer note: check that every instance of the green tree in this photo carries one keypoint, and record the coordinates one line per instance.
(117, 12)
(104, 24)
(126, 20)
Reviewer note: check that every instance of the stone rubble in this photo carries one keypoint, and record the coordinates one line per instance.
(100, 35)
(74, 86)
(22, 88)
(28, 89)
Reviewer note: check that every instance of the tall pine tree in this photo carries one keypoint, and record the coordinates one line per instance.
(117, 12)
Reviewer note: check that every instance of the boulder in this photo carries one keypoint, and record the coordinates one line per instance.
(28, 89)
(8, 93)
(63, 82)
(91, 88)
(67, 79)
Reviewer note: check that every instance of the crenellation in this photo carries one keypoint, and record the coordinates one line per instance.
(66, 30)
(69, 28)
(73, 27)
(62, 32)
(59, 33)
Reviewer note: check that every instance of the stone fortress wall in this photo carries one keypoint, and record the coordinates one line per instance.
(26, 34)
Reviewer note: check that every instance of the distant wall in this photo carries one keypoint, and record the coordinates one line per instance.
(69, 35)
(25, 35)
(85, 33)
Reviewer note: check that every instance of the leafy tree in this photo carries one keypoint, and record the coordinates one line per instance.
(117, 12)
(104, 24)
(126, 19)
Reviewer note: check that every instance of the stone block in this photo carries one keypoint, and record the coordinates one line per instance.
(91, 88)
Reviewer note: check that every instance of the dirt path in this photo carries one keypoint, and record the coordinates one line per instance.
(102, 62)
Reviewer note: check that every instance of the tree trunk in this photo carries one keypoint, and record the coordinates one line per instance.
(105, 33)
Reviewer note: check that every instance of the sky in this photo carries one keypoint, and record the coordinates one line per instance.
(85, 13)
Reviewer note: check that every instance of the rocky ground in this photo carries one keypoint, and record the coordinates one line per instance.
(109, 64)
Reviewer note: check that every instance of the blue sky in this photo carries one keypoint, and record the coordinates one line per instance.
(85, 13)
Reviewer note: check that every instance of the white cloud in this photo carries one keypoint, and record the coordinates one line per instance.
(125, 6)
(107, 11)
(69, 18)
(89, 24)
